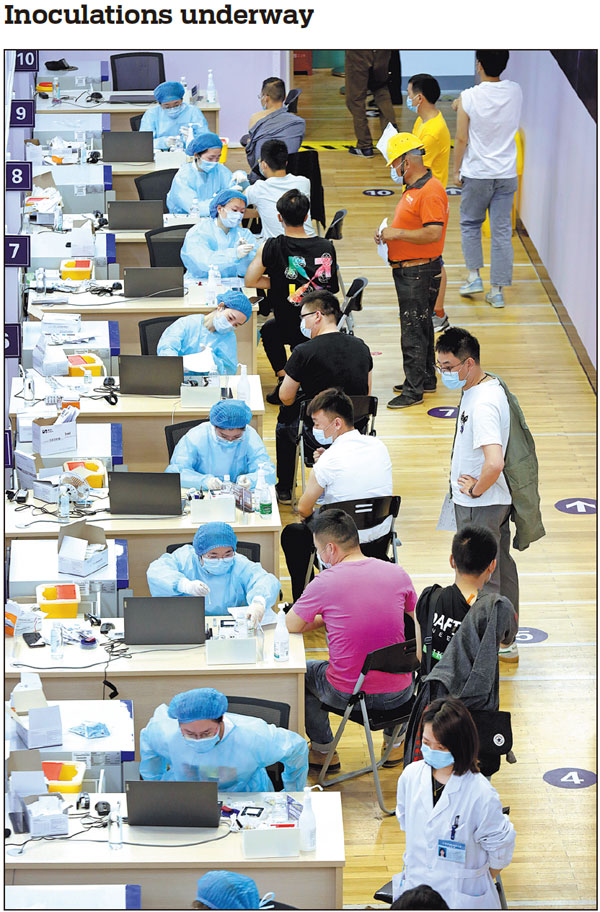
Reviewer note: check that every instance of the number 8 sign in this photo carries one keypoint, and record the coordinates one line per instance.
(18, 176)
(22, 113)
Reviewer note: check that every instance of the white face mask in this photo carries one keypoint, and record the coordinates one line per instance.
(304, 329)
(221, 324)
(173, 113)
(231, 219)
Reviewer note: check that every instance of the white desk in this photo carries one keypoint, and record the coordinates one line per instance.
(68, 896)
(131, 246)
(168, 876)
(143, 417)
(120, 114)
(129, 312)
(155, 675)
(147, 539)
(104, 342)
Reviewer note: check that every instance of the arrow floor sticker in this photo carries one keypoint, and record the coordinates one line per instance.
(577, 505)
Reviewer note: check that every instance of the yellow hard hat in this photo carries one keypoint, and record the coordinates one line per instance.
(400, 144)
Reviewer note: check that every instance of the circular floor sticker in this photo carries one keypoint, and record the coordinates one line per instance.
(531, 635)
(570, 778)
(381, 192)
(577, 505)
(443, 411)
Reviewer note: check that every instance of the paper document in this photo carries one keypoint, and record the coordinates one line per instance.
(385, 138)
(200, 363)
(382, 249)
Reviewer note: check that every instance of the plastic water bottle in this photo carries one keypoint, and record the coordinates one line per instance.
(264, 496)
(211, 287)
(58, 219)
(115, 828)
(28, 389)
(241, 622)
(217, 273)
(186, 92)
(211, 91)
(56, 89)
(281, 640)
(307, 824)
(243, 387)
(226, 486)
(64, 503)
(57, 648)
(195, 208)
(88, 379)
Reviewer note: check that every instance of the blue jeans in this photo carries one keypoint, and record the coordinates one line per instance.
(477, 196)
(317, 689)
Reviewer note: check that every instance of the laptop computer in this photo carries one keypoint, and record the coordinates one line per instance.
(168, 621)
(153, 281)
(132, 98)
(150, 375)
(128, 146)
(172, 804)
(134, 215)
(144, 493)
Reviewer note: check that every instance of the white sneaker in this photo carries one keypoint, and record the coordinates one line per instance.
(509, 653)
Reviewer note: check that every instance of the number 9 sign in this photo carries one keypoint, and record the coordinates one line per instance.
(22, 113)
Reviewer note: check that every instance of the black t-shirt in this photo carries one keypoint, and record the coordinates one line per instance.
(297, 266)
(450, 608)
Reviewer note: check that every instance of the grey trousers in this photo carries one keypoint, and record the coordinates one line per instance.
(476, 198)
(505, 579)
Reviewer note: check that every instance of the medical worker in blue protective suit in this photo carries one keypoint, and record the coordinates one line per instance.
(171, 114)
(225, 445)
(211, 568)
(215, 330)
(228, 890)
(201, 178)
(220, 241)
(195, 738)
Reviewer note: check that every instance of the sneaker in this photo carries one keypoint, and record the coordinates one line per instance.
(316, 760)
(283, 497)
(470, 288)
(399, 402)
(273, 397)
(427, 388)
(496, 300)
(367, 152)
(372, 112)
(509, 653)
(440, 323)
(395, 756)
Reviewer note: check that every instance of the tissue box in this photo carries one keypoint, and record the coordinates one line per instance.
(28, 693)
(213, 509)
(40, 727)
(72, 544)
(49, 438)
(55, 820)
(273, 842)
(231, 651)
(60, 601)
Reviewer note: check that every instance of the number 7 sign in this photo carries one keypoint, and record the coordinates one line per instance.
(17, 250)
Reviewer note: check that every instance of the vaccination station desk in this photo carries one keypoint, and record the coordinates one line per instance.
(119, 113)
(147, 538)
(129, 312)
(154, 675)
(124, 173)
(143, 418)
(168, 876)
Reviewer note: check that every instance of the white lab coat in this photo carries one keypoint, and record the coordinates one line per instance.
(488, 834)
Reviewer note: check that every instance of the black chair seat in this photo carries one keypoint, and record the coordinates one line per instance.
(378, 719)
(384, 893)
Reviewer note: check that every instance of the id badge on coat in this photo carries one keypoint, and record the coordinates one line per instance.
(452, 851)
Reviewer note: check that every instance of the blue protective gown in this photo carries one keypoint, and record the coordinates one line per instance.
(189, 335)
(207, 244)
(201, 453)
(238, 760)
(162, 126)
(234, 589)
(190, 183)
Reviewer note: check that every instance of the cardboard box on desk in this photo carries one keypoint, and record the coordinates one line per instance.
(49, 817)
(25, 773)
(40, 727)
(28, 693)
(73, 541)
(273, 842)
(49, 438)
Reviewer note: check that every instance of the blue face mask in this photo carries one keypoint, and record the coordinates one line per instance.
(232, 219)
(221, 324)
(410, 105)
(453, 381)
(201, 745)
(207, 165)
(320, 437)
(436, 758)
(395, 176)
(217, 565)
(228, 443)
(173, 112)
(304, 329)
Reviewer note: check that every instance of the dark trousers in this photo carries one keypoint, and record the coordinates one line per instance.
(275, 335)
(286, 433)
(297, 544)
(417, 288)
(364, 71)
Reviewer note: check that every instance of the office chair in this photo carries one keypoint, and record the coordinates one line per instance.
(274, 714)
(164, 244)
(137, 72)
(251, 550)
(352, 302)
(135, 122)
(306, 164)
(291, 100)
(151, 331)
(174, 432)
(156, 185)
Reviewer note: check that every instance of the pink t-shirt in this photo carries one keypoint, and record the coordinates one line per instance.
(362, 604)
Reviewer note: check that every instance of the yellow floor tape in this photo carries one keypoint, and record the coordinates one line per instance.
(333, 146)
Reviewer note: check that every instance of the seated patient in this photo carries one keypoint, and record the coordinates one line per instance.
(195, 738)
(171, 114)
(225, 445)
(211, 568)
(220, 241)
(201, 178)
(216, 330)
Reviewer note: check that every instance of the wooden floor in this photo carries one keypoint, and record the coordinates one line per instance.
(552, 692)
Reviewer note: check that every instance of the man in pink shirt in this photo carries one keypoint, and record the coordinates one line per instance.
(361, 603)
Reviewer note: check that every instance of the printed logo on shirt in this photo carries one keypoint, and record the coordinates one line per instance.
(446, 627)
(463, 420)
(297, 268)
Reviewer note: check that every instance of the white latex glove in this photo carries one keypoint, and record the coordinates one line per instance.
(256, 609)
(193, 587)
(212, 483)
(243, 250)
(244, 481)
(239, 177)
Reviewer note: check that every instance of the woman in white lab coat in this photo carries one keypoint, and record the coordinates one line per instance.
(457, 838)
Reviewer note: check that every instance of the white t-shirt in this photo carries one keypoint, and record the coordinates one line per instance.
(264, 195)
(355, 466)
(494, 110)
(483, 418)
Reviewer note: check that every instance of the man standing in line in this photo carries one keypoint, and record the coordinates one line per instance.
(367, 70)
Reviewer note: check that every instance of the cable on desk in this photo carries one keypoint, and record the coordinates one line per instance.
(150, 845)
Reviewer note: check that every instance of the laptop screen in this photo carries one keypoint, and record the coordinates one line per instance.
(150, 375)
(172, 804)
(148, 493)
(128, 146)
(135, 215)
(153, 281)
(168, 621)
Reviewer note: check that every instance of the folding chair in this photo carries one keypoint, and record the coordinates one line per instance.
(251, 550)
(151, 331)
(137, 72)
(174, 432)
(401, 658)
(273, 713)
(291, 100)
(155, 186)
(334, 233)
(164, 244)
(352, 302)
